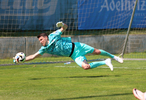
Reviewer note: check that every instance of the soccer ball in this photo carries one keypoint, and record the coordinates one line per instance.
(20, 57)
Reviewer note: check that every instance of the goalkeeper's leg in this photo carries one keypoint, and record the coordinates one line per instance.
(105, 53)
(82, 62)
(106, 62)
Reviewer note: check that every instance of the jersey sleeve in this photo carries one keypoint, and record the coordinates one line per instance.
(55, 33)
(42, 50)
(58, 32)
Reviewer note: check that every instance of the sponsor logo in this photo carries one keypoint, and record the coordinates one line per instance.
(122, 5)
(27, 7)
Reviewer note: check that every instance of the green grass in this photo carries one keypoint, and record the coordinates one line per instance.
(70, 82)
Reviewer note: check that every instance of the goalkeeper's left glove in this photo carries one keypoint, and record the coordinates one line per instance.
(16, 59)
(59, 24)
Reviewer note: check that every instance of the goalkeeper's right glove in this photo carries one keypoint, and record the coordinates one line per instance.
(59, 24)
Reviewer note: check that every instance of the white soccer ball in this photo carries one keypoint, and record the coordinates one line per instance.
(20, 57)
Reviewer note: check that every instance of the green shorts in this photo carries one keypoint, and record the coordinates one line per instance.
(80, 51)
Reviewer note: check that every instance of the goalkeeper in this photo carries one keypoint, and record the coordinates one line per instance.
(57, 45)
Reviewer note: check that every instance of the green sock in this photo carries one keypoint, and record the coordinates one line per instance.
(96, 64)
(104, 53)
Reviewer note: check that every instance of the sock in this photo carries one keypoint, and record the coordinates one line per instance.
(104, 53)
(96, 64)
(115, 57)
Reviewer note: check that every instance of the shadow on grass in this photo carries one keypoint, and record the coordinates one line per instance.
(94, 96)
(93, 76)
(78, 77)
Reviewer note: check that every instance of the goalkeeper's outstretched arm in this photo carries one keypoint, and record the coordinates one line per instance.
(28, 58)
(62, 25)
(31, 57)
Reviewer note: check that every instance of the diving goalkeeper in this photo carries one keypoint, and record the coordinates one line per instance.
(61, 46)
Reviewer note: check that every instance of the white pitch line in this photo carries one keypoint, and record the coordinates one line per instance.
(125, 68)
(66, 66)
(108, 67)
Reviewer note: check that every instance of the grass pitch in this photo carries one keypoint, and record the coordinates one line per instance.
(70, 82)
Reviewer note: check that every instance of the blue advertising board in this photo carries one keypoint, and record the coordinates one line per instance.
(81, 14)
(110, 14)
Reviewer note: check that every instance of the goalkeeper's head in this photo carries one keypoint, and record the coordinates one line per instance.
(43, 38)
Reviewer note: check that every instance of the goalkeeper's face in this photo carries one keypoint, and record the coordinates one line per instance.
(43, 40)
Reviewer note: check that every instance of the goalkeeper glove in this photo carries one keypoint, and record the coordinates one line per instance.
(59, 24)
(16, 59)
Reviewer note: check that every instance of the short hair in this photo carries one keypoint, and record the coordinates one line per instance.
(42, 34)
